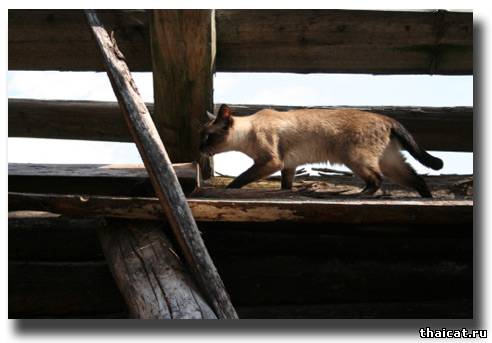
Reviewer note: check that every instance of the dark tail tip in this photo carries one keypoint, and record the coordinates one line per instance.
(434, 162)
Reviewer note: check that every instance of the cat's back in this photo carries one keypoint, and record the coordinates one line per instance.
(319, 120)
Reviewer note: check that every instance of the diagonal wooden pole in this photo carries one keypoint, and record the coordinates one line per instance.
(160, 171)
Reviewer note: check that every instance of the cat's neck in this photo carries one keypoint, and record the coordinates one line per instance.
(239, 134)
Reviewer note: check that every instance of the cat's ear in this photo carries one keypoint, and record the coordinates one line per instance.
(225, 115)
(211, 116)
(225, 112)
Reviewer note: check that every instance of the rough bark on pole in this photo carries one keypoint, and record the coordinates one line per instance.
(148, 273)
(160, 171)
(183, 58)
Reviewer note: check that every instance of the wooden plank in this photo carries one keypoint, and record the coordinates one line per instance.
(149, 274)
(61, 289)
(339, 41)
(86, 290)
(101, 179)
(183, 57)
(160, 171)
(32, 43)
(391, 272)
(86, 120)
(35, 236)
(370, 310)
(93, 120)
(335, 210)
(64, 288)
(380, 42)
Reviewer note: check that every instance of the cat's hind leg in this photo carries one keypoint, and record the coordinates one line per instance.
(288, 175)
(370, 173)
(394, 166)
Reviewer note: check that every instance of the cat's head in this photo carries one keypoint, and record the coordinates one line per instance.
(213, 136)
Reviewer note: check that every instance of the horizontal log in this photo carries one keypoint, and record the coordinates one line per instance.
(132, 180)
(435, 128)
(38, 288)
(62, 289)
(303, 41)
(364, 272)
(368, 310)
(101, 179)
(338, 210)
(67, 119)
(39, 237)
(459, 309)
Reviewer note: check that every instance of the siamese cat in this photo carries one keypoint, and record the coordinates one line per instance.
(367, 143)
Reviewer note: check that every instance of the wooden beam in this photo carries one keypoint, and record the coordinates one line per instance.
(38, 287)
(32, 46)
(41, 236)
(160, 171)
(367, 263)
(183, 57)
(305, 41)
(149, 274)
(362, 211)
(86, 120)
(101, 179)
(102, 121)
(341, 41)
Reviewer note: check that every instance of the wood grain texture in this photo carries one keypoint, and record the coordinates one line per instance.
(287, 271)
(305, 41)
(36, 288)
(160, 171)
(183, 58)
(149, 274)
(366, 211)
(340, 41)
(436, 128)
(101, 179)
(32, 45)
(34, 236)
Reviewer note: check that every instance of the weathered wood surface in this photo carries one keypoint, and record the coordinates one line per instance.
(149, 274)
(160, 171)
(94, 120)
(380, 42)
(100, 179)
(362, 211)
(183, 62)
(370, 271)
(88, 291)
(336, 187)
(35, 287)
(85, 120)
(132, 170)
(37, 236)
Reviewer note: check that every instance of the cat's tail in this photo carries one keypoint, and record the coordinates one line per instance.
(408, 142)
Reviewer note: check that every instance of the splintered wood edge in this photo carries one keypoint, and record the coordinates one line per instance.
(366, 211)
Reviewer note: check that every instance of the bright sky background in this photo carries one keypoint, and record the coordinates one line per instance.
(237, 88)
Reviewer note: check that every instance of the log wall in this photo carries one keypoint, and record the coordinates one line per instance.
(93, 120)
(303, 41)
(325, 272)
